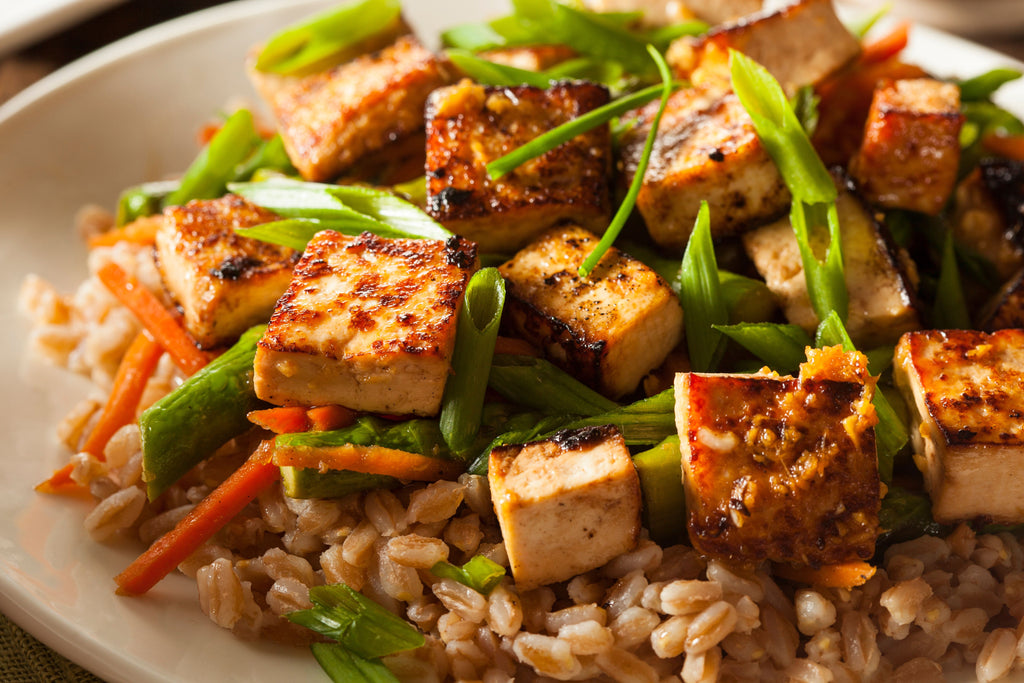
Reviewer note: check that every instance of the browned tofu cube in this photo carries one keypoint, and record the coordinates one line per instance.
(779, 468)
(965, 390)
(368, 323)
(661, 13)
(565, 505)
(883, 303)
(332, 119)
(987, 216)
(706, 149)
(530, 57)
(911, 148)
(1007, 307)
(470, 125)
(223, 283)
(608, 329)
(800, 44)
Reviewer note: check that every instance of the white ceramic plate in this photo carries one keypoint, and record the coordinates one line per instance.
(24, 21)
(123, 115)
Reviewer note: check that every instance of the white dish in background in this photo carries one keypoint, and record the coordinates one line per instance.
(25, 21)
(126, 114)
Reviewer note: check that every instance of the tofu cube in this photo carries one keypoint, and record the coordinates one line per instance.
(368, 323)
(778, 468)
(1007, 307)
(800, 43)
(608, 329)
(565, 505)
(879, 275)
(706, 149)
(987, 216)
(332, 119)
(470, 125)
(224, 283)
(661, 13)
(965, 390)
(911, 149)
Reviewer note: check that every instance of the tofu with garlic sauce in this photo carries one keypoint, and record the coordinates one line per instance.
(566, 505)
(779, 468)
(470, 125)
(608, 329)
(965, 390)
(224, 283)
(880, 278)
(368, 323)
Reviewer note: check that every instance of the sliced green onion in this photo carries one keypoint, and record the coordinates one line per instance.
(143, 200)
(215, 166)
(701, 296)
(663, 36)
(661, 484)
(480, 573)
(491, 73)
(419, 436)
(478, 322)
(294, 233)
(642, 423)
(950, 308)
(805, 105)
(270, 155)
(626, 207)
(537, 384)
(472, 37)
(781, 347)
(983, 86)
(592, 34)
(530, 428)
(905, 515)
(328, 37)
(415, 190)
(341, 666)
(747, 299)
(860, 27)
(391, 210)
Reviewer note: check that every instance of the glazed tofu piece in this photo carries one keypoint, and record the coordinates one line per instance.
(706, 149)
(987, 214)
(470, 125)
(224, 283)
(368, 323)
(1007, 307)
(609, 329)
(530, 57)
(883, 302)
(965, 390)
(911, 148)
(779, 468)
(800, 44)
(565, 505)
(332, 119)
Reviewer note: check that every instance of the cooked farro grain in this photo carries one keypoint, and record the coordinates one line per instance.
(548, 655)
(634, 626)
(115, 513)
(385, 512)
(689, 596)
(221, 594)
(461, 599)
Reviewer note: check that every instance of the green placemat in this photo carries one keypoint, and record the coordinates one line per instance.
(23, 659)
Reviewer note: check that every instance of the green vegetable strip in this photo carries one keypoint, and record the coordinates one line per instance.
(860, 27)
(746, 299)
(983, 86)
(532, 430)
(391, 210)
(472, 37)
(781, 347)
(662, 37)
(479, 573)
(143, 200)
(491, 73)
(291, 232)
(661, 484)
(556, 136)
(701, 296)
(308, 482)
(341, 666)
(950, 308)
(325, 38)
(478, 322)
(813, 191)
(420, 436)
(537, 384)
(209, 408)
(215, 166)
(270, 155)
(626, 208)
(906, 515)
(642, 423)
(591, 34)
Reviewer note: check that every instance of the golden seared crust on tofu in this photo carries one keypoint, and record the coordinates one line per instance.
(706, 149)
(1007, 306)
(565, 505)
(530, 57)
(778, 468)
(987, 214)
(800, 44)
(883, 301)
(469, 125)
(966, 394)
(608, 329)
(223, 282)
(911, 149)
(368, 323)
(330, 120)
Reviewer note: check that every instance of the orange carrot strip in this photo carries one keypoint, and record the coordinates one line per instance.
(136, 368)
(154, 317)
(326, 418)
(888, 45)
(140, 231)
(61, 483)
(1009, 146)
(280, 420)
(199, 525)
(845, 575)
(369, 460)
(514, 346)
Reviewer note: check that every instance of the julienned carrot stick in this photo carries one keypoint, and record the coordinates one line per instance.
(1009, 146)
(136, 368)
(888, 45)
(61, 483)
(154, 317)
(283, 420)
(140, 231)
(845, 575)
(369, 460)
(326, 418)
(198, 526)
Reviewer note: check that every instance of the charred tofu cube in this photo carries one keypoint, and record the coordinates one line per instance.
(800, 43)
(368, 323)
(883, 301)
(911, 148)
(706, 149)
(779, 468)
(530, 57)
(1007, 307)
(332, 119)
(965, 390)
(224, 283)
(470, 125)
(608, 329)
(988, 213)
(565, 505)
